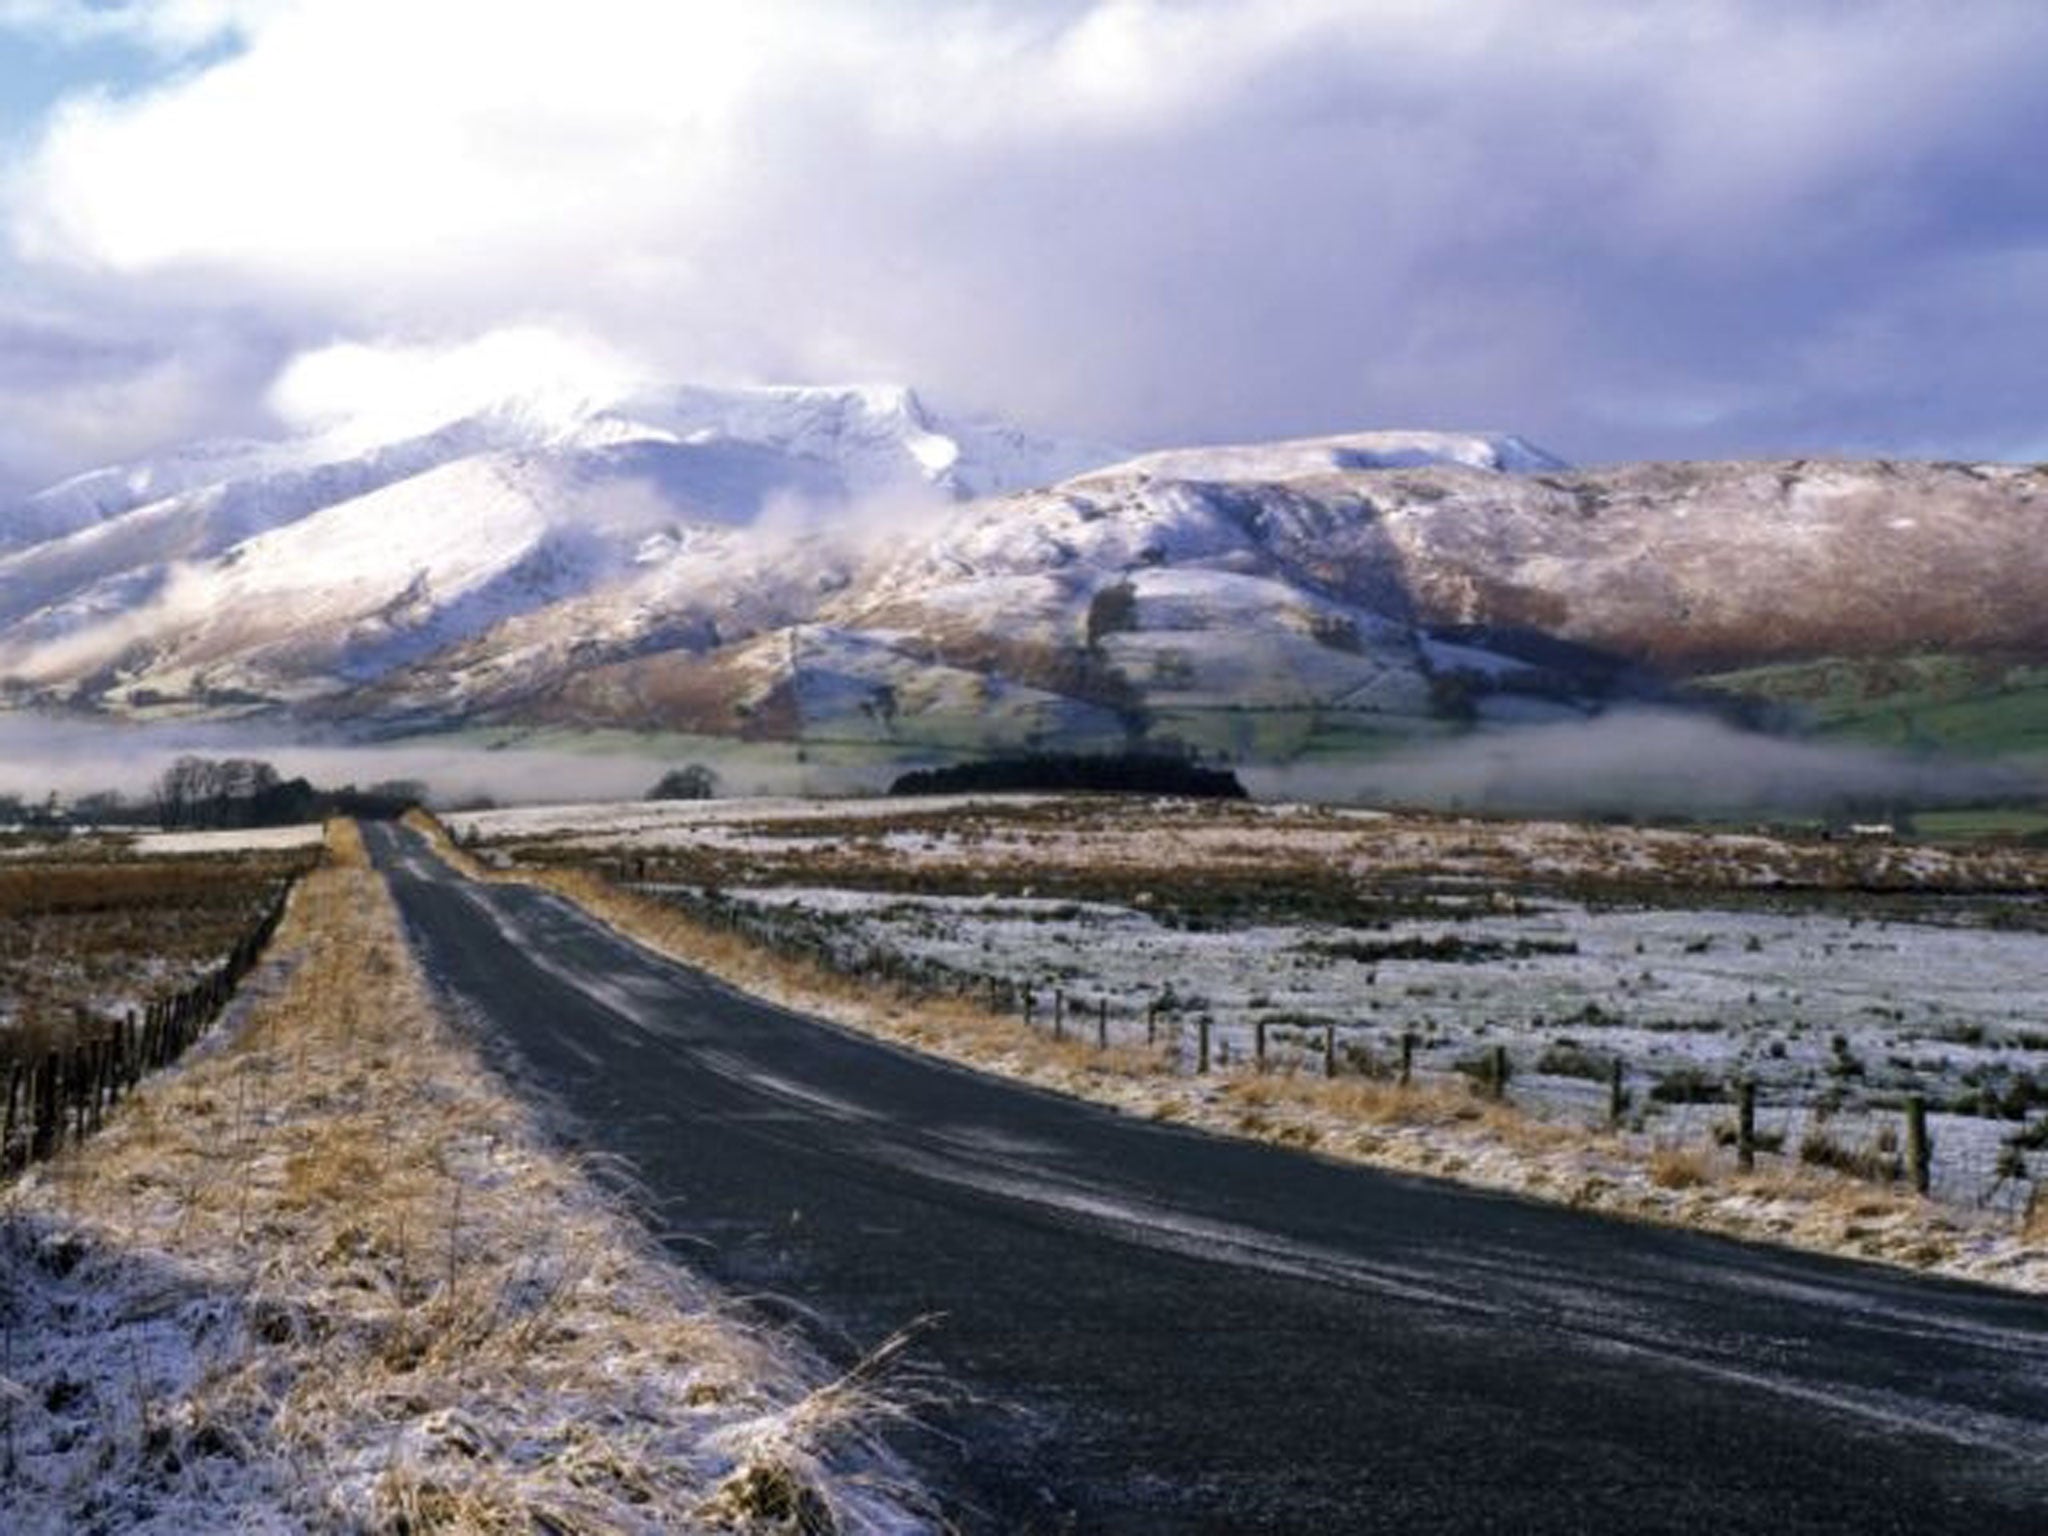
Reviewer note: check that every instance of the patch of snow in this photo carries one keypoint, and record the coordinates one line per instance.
(236, 840)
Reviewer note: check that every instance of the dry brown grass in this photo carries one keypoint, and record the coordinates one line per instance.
(1083, 847)
(1435, 1126)
(1675, 1167)
(422, 1319)
(89, 931)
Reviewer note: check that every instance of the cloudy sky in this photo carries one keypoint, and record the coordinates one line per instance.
(1620, 227)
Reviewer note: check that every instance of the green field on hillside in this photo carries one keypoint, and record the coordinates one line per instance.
(1983, 824)
(1971, 704)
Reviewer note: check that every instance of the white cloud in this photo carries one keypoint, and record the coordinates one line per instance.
(373, 393)
(383, 139)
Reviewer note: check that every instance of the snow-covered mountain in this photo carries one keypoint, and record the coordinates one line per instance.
(844, 564)
(299, 568)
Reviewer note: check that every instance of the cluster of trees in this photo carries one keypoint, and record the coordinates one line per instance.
(206, 792)
(228, 792)
(1112, 610)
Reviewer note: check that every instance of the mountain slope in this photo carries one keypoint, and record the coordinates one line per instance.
(1693, 567)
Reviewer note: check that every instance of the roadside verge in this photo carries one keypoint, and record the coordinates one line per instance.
(329, 1272)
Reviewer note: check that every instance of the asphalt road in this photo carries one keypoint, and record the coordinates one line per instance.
(1142, 1328)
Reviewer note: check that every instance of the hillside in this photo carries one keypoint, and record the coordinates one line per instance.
(848, 566)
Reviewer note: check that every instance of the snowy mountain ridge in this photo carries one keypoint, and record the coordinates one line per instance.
(159, 577)
(874, 438)
(846, 565)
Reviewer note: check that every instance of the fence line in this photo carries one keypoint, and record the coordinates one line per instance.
(68, 1092)
(1065, 1013)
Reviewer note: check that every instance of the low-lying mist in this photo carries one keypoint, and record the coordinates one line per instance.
(1652, 763)
(1638, 763)
(39, 755)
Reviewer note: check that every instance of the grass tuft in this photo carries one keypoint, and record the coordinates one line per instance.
(1673, 1167)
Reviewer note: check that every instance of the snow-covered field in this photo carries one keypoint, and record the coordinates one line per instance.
(1835, 1018)
(679, 822)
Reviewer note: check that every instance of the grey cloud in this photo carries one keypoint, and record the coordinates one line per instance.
(1643, 762)
(1568, 243)
(80, 389)
(1622, 230)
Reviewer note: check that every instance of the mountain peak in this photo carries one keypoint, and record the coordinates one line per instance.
(878, 436)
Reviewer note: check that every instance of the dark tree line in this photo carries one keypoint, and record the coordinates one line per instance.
(1123, 773)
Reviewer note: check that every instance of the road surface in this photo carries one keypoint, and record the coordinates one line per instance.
(1144, 1328)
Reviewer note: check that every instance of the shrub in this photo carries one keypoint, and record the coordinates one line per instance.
(692, 782)
(1818, 1149)
(1688, 1085)
(2030, 1138)
(1566, 1058)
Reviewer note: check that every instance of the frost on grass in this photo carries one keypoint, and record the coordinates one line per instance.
(329, 1275)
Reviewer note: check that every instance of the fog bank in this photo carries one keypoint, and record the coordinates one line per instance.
(1651, 763)
(1638, 762)
(41, 754)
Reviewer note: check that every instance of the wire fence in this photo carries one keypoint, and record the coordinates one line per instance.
(1966, 1159)
(61, 1096)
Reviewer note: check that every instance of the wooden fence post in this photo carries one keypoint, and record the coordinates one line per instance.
(1745, 1125)
(98, 1085)
(1329, 1050)
(1919, 1150)
(1059, 1013)
(1152, 1022)
(1259, 1044)
(74, 1091)
(1407, 1057)
(1202, 1038)
(45, 1138)
(1102, 1025)
(1497, 1072)
(7, 1124)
